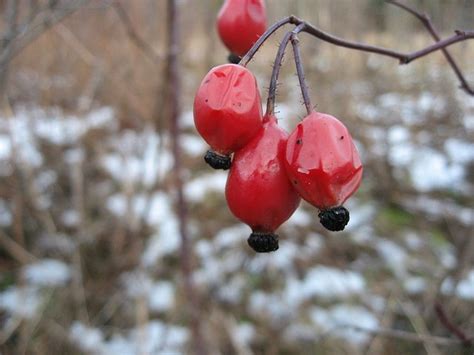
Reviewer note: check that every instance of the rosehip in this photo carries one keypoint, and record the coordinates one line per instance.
(240, 23)
(324, 166)
(227, 111)
(258, 191)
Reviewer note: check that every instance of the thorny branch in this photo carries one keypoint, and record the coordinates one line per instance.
(295, 42)
(453, 328)
(424, 18)
(134, 36)
(404, 58)
(276, 68)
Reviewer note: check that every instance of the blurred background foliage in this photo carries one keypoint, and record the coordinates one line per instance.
(89, 240)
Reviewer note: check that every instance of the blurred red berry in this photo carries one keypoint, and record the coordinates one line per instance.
(240, 23)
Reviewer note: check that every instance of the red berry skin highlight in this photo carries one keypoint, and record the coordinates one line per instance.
(227, 108)
(258, 191)
(322, 161)
(240, 23)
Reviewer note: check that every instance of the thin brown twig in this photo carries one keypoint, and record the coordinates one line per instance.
(404, 58)
(425, 19)
(406, 336)
(15, 250)
(249, 55)
(295, 42)
(174, 83)
(453, 328)
(276, 68)
(133, 34)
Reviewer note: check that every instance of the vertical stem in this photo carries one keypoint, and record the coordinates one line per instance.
(249, 55)
(276, 68)
(295, 42)
(174, 93)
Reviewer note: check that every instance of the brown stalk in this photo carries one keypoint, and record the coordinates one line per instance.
(172, 77)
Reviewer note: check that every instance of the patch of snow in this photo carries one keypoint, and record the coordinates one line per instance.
(459, 151)
(230, 236)
(22, 302)
(70, 218)
(161, 296)
(196, 189)
(151, 338)
(300, 218)
(47, 272)
(413, 241)
(193, 144)
(465, 287)
(393, 255)
(430, 170)
(244, 333)
(341, 320)
(5, 147)
(139, 158)
(361, 214)
(5, 214)
(415, 285)
(89, 339)
(61, 243)
(324, 282)
(270, 305)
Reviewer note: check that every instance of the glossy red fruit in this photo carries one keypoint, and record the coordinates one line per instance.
(240, 23)
(227, 108)
(258, 191)
(323, 165)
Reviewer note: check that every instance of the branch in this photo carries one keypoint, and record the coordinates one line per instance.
(424, 18)
(173, 94)
(404, 335)
(403, 58)
(132, 33)
(453, 328)
(295, 42)
(249, 55)
(276, 68)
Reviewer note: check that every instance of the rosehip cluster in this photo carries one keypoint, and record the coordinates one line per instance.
(270, 171)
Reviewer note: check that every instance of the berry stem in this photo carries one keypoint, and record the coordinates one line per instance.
(295, 42)
(277, 66)
(249, 55)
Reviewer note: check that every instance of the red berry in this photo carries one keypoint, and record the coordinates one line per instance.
(258, 191)
(227, 108)
(240, 23)
(323, 164)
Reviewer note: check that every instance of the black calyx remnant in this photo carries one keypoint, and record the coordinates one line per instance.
(217, 161)
(334, 219)
(263, 242)
(233, 58)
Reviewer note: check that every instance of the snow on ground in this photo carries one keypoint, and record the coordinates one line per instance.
(138, 157)
(345, 321)
(324, 282)
(22, 302)
(464, 288)
(153, 337)
(47, 272)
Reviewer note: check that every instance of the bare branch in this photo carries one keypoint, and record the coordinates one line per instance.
(277, 66)
(453, 328)
(134, 36)
(295, 42)
(173, 94)
(404, 58)
(424, 18)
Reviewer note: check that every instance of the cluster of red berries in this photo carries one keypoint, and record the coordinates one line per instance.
(270, 171)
